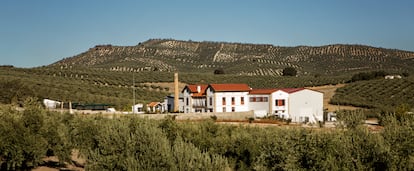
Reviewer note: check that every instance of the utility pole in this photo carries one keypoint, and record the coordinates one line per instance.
(133, 93)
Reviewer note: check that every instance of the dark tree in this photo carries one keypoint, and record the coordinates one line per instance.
(289, 71)
(405, 74)
(219, 71)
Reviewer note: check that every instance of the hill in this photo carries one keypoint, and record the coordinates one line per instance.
(241, 59)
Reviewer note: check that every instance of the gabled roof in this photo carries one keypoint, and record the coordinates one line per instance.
(193, 89)
(229, 87)
(152, 104)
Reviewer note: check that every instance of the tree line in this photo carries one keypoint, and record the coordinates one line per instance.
(133, 143)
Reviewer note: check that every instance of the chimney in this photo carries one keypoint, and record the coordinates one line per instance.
(176, 93)
(198, 89)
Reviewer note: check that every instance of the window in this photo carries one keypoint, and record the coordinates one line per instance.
(224, 109)
(233, 101)
(259, 99)
(280, 102)
(186, 101)
(211, 101)
(242, 100)
(224, 101)
(233, 109)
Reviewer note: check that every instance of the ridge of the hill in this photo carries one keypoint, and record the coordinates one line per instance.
(243, 59)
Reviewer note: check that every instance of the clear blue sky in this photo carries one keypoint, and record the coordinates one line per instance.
(35, 33)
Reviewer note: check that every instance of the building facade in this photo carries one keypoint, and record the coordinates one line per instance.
(227, 97)
(194, 98)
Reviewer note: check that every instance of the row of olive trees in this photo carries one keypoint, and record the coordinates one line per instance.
(133, 143)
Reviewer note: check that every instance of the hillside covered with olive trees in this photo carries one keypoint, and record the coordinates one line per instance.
(242, 59)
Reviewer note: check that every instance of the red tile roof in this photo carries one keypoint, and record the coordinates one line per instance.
(263, 91)
(271, 90)
(230, 87)
(291, 90)
(152, 104)
(193, 89)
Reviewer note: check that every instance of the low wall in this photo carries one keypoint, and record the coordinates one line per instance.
(201, 116)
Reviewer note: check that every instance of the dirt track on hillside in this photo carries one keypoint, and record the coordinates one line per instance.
(328, 92)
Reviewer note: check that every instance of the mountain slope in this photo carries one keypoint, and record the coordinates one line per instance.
(243, 59)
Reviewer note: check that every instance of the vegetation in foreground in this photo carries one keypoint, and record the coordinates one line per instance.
(131, 143)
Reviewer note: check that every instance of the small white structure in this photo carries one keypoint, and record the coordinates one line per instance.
(138, 109)
(155, 107)
(51, 104)
(227, 97)
(111, 109)
(390, 77)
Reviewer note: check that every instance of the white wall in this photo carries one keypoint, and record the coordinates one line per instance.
(187, 108)
(282, 110)
(218, 99)
(260, 109)
(306, 103)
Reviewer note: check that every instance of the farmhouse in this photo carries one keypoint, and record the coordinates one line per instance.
(298, 104)
(195, 98)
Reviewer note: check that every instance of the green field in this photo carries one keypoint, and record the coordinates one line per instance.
(88, 85)
(383, 94)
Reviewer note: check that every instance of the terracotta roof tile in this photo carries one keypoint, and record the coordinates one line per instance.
(193, 89)
(230, 87)
(291, 90)
(271, 90)
(152, 104)
(263, 91)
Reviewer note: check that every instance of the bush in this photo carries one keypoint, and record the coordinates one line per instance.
(28, 136)
(289, 71)
(219, 71)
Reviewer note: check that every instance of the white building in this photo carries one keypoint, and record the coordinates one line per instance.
(155, 107)
(51, 104)
(227, 97)
(304, 105)
(194, 98)
(259, 101)
(298, 104)
(138, 109)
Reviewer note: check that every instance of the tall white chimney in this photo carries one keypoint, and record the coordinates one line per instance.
(198, 89)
